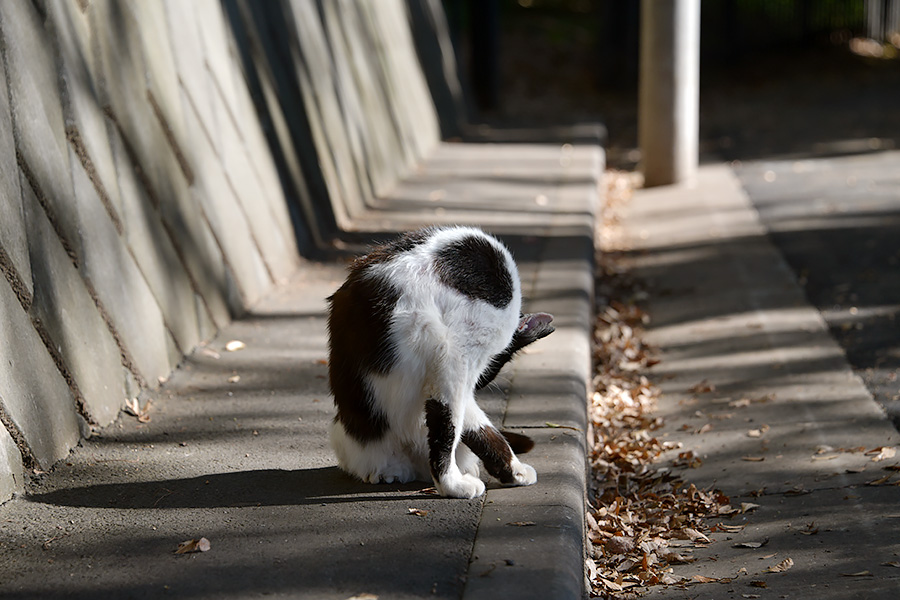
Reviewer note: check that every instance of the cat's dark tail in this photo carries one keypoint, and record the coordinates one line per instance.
(519, 443)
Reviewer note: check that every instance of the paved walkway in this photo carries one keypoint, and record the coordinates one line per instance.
(236, 448)
(788, 426)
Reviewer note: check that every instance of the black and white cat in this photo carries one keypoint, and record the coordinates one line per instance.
(418, 326)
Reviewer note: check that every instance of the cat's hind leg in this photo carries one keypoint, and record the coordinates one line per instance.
(486, 442)
(443, 440)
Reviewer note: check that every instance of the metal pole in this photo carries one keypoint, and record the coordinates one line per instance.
(669, 90)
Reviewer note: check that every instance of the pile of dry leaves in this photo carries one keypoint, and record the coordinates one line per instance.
(642, 518)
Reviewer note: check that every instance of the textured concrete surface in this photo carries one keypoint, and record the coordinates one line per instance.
(236, 449)
(788, 423)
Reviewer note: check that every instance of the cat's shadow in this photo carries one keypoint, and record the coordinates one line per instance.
(269, 487)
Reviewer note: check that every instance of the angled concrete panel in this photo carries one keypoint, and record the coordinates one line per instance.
(11, 477)
(33, 395)
(86, 125)
(278, 252)
(189, 54)
(36, 110)
(156, 256)
(70, 318)
(227, 220)
(12, 228)
(111, 272)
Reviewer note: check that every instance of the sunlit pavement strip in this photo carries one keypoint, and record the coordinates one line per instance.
(787, 425)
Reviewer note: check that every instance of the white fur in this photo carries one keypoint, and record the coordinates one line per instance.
(444, 341)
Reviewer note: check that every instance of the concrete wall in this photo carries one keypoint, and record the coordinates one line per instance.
(140, 209)
(342, 83)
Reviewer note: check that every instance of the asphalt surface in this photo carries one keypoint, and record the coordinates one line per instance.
(762, 399)
(837, 222)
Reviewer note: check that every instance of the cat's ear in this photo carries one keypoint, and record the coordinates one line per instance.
(533, 327)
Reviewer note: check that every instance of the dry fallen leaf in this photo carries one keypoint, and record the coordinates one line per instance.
(673, 558)
(702, 387)
(133, 408)
(811, 529)
(891, 564)
(235, 345)
(207, 351)
(759, 584)
(234, 379)
(748, 506)
(522, 523)
(638, 507)
(418, 512)
(781, 567)
(195, 545)
(857, 574)
(825, 456)
(704, 579)
(688, 533)
(881, 480)
(753, 545)
(755, 433)
(882, 453)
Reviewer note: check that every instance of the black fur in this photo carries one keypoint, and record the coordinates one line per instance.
(440, 436)
(491, 447)
(358, 327)
(476, 269)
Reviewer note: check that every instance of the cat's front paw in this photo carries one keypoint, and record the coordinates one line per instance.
(523, 474)
(461, 486)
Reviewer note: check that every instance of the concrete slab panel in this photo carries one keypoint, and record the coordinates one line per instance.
(33, 395)
(11, 476)
(12, 229)
(260, 156)
(278, 252)
(227, 220)
(217, 43)
(161, 73)
(70, 317)
(111, 272)
(189, 53)
(36, 110)
(156, 256)
(522, 527)
(86, 125)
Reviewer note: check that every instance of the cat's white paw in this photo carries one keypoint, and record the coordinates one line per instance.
(461, 486)
(523, 474)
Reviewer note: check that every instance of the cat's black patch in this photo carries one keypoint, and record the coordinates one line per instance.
(474, 267)
(438, 419)
(491, 447)
(360, 343)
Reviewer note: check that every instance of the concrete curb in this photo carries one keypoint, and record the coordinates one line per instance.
(530, 541)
